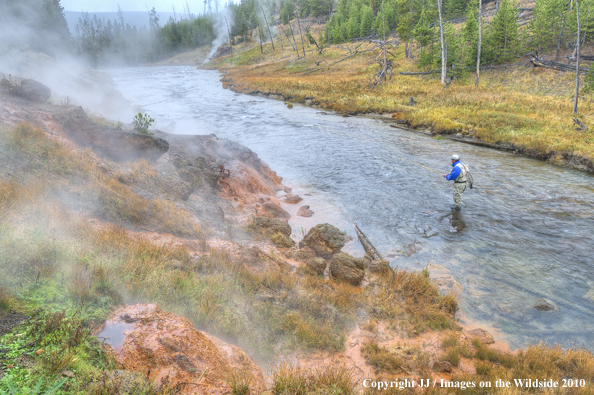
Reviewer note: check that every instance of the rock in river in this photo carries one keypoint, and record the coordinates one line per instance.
(544, 305)
(304, 211)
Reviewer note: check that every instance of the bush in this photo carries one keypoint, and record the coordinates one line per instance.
(142, 123)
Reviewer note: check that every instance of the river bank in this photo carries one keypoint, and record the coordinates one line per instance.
(522, 109)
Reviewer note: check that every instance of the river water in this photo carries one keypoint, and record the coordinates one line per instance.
(525, 231)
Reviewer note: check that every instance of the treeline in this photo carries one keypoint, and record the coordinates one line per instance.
(37, 25)
(553, 27)
(117, 42)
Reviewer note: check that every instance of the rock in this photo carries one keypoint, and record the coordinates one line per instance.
(345, 268)
(482, 335)
(544, 305)
(39, 352)
(444, 366)
(168, 349)
(304, 211)
(68, 373)
(377, 266)
(441, 278)
(271, 226)
(293, 199)
(324, 239)
(282, 240)
(317, 265)
(35, 91)
(108, 141)
(287, 189)
(272, 210)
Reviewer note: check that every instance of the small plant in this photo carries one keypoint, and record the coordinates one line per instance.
(142, 123)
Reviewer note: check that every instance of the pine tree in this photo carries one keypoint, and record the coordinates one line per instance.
(424, 35)
(503, 36)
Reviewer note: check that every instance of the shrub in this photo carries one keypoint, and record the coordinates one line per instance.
(142, 123)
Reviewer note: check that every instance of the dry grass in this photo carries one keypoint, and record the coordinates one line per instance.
(527, 107)
(380, 358)
(411, 296)
(288, 379)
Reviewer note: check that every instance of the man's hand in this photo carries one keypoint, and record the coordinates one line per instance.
(444, 175)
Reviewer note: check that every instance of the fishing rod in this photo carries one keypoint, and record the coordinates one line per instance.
(418, 164)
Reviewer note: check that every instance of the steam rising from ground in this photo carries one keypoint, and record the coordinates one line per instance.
(222, 24)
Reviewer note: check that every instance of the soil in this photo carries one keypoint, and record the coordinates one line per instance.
(9, 321)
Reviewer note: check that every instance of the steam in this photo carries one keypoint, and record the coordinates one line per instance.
(222, 23)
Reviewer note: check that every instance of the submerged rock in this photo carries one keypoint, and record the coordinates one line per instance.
(173, 352)
(292, 199)
(324, 239)
(348, 269)
(544, 305)
(482, 335)
(304, 211)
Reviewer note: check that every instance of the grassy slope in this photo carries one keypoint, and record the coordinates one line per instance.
(524, 107)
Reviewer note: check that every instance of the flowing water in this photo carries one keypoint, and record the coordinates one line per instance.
(525, 231)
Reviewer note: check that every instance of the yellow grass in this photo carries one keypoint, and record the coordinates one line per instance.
(529, 108)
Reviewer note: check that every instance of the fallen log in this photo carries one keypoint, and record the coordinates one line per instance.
(369, 248)
(550, 64)
(419, 72)
(582, 125)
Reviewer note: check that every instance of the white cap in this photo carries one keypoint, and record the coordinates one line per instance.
(455, 157)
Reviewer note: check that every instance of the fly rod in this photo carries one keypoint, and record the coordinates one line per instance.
(418, 164)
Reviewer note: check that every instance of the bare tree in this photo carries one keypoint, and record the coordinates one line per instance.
(230, 41)
(268, 26)
(577, 61)
(443, 53)
(302, 45)
(478, 55)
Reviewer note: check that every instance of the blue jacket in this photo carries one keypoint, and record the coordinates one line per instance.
(455, 172)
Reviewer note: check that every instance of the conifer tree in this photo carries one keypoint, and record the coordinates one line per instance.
(503, 36)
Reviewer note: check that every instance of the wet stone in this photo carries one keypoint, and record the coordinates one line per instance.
(544, 305)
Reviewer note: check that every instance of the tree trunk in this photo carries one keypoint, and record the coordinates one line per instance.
(577, 62)
(268, 26)
(478, 55)
(230, 41)
(559, 40)
(385, 49)
(300, 34)
(443, 55)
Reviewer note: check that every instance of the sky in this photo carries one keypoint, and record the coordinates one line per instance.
(131, 5)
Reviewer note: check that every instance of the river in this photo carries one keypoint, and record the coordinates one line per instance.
(526, 230)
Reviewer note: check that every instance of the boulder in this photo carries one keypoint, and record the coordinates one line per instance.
(304, 211)
(272, 210)
(324, 239)
(35, 91)
(544, 305)
(482, 335)
(317, 265)
(377, 265)
(345, 268)
(271, 226)
(293, 199)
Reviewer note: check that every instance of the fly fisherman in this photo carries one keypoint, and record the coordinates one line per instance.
(458, 175)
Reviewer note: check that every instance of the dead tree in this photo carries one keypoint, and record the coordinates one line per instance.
(300, 34)
(230, 41)
(268, 26)
(577, 62)
(441, 40)
(478, 56)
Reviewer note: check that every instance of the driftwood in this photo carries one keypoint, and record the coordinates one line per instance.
(550, 64)
(582, 126)
(369, 248)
